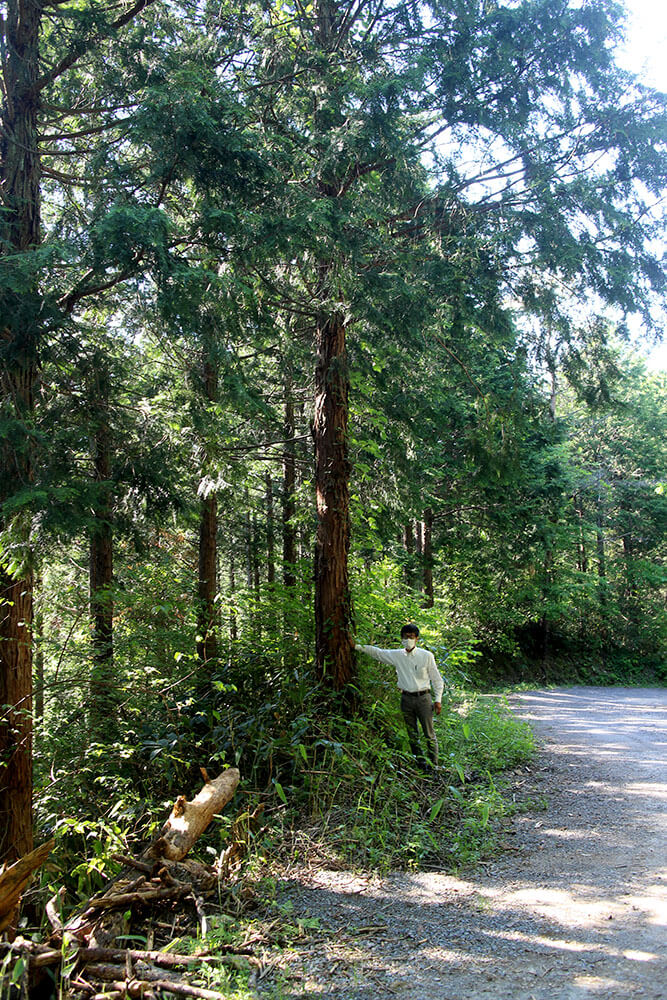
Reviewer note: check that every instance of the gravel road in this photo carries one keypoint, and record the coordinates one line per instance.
(574, 908)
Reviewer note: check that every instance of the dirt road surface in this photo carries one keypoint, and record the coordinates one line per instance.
(574, 908)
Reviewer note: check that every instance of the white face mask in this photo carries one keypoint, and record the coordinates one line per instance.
(409, 643)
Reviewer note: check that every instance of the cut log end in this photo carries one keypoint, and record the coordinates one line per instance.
(188, 820)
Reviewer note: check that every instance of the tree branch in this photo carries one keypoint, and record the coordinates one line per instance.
(82, 291)
(76, 53)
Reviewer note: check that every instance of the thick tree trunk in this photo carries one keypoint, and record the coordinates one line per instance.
(19, 232)
(19, 139)
(428, 558)
(207, 647)
(419, 542)
(289, 483)
(103, 703)
(270, 532)
(334, 657)
(409, 545)
(233, 626)
(38, 650)
(16, 719)
(207, 620)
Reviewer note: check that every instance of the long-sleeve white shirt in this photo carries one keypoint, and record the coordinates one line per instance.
(416, 669)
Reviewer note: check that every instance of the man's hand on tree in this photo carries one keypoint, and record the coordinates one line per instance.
(352, 641)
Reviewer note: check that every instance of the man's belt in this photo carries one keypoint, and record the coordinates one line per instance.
(425, 691)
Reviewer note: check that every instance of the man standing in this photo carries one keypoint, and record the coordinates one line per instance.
(416, 671)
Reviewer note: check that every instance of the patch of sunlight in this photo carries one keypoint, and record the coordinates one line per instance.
(556, 944)
(599, 753)
(640, 956)
(652, 907)
(589, 834)
(610, 987)
(551, 943)
(453, 957)
(562, 907)
(442, 885)
(653, 789)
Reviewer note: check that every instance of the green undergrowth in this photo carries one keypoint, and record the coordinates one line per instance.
(365, 802)
(340, 790)
(336, 791)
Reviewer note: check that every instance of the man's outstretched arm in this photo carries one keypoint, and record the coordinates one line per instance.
(382, 655)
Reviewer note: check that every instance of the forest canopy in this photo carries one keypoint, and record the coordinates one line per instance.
(313, 321)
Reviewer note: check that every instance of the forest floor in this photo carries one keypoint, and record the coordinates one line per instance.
(573, 907)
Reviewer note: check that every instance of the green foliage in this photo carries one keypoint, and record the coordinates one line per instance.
(372, 807)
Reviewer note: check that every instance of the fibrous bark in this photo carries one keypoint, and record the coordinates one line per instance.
(102, 708)
(20, 173)
(207, 614)
(334, 659)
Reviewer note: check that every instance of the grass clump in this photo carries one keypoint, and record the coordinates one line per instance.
(365, 802)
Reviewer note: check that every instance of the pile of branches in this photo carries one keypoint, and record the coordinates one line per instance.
(160, 892)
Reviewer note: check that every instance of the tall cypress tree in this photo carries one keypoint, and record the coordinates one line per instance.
(515, 105)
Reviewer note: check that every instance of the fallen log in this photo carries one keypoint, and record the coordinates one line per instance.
(185, 989)
(188, 820)
(42, 955)
(15, 878)
(165, 959)
(162, 876)
(104, 972)
(138, 896)
(142, 988)
(129, 862)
